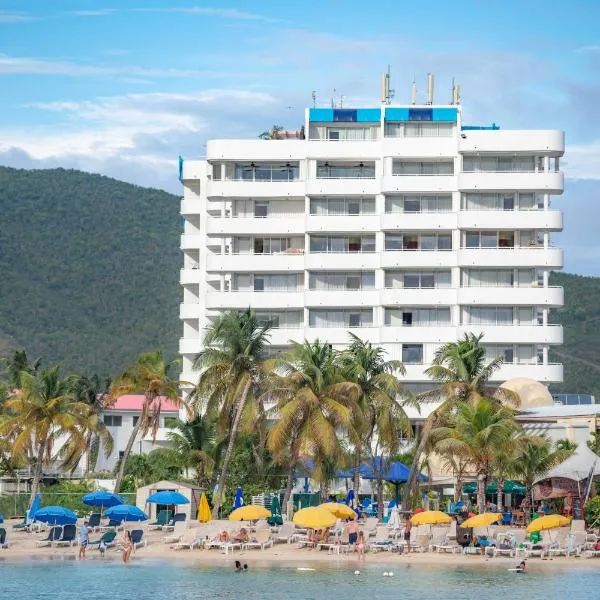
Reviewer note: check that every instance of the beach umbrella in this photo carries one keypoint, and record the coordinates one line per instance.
(430, 517)
(238, 499)
(350, 498)
(314, 517)
(275, 518)
(167, 497)
(250, 512)
(204, 514)
(548, 522)
(56, 515)
(394, 472)
(126, 512)
(1, 518)
(341, 511)
(103, 499)
(482, 520)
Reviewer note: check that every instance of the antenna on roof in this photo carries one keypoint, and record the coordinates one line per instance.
(429, 88)
(458, 99)
(413, 94)
(314, 98)
(333, 98)
(386, 92)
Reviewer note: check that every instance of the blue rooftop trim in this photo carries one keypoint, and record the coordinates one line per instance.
(448, 114)
(344, 115)
(445, 114)
(492, 127)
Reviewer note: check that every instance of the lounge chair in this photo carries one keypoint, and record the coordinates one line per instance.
(69, 536)
(109, 539)
(177, 518)
(513, 543)
(261, 540)
(420, 543)
(189, 540)
(438, 538)
(177, 533)
(54, 534)
(370, 527)
(113, 524)
(94, 521)
(285, 533)
(3, 542)
(382, 541)
(162, 520)
(137, 538)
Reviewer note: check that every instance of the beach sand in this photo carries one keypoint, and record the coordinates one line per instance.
(22, 546)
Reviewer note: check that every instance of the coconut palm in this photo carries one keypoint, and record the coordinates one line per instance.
(232, 365)
(503, 464)
(477, 434)
(463, 376)
(312, 402)
(272, 134)
(19, 363)
(42, 410)
(149, 375)
(534, 458)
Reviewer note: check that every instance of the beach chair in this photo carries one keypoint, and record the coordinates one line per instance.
(177, 518)
(3, 542)
(162, 520)
(285, 533)
(420, 543)
(137, 538)
(68, 538)
(94, 521)
(114, 524)
(190, 540)
(54, 534)
(177, 533)
(382, 541)
(497, 551)
(370, 527)
(261, 540)
(108, 537)
(438, 538)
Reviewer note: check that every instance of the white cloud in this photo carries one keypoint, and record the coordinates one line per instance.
(582, 161)
(8, 16)
(590, 48)
(101, 12)
(225, 13)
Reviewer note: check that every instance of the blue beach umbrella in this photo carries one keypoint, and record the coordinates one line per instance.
(1, 518)
(394, 472)
(56, 515)
(239, 498)
(103, 499)
(167, 497)
(126, 512)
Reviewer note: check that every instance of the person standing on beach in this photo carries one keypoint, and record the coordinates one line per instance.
(84, 538)
(127, 544)
(352, 529)
(407, 530)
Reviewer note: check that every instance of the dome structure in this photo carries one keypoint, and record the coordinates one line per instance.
(532, 394)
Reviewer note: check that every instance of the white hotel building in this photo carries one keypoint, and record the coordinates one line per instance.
(397, 223)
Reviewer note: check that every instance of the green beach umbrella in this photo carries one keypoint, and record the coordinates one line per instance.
(275, 518)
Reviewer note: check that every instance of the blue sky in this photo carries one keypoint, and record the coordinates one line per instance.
(123, 87)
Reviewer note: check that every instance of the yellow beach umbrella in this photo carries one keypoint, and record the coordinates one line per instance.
(482, 520)
(314, 517)
(204, 514)
(251, 512)
(548, 522)
(430, 517)
(341, 511)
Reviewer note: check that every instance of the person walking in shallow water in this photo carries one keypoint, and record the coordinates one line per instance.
(407, 530)
(84, 538)
(127, 544)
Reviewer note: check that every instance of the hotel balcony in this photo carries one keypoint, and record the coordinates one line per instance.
(356, 298)
(342, 223)
(345, 261)
(342, 149)
(544, 373)
(244, 299)
(340, 335)
(255, 262)
(190, 276)
(418, 221)
(418, 258)
(283, 336)
(506, 140)
(424, 147)
(516, 334)
(342, 186)
(255, 149)
(192, 241)
(190, 346)
(550, 220)
(511, 296)
(191, 310)
(551, 182)
(551, 258)
(418, 183)
(418, 296)
(417, 334)
(244, 188)
(191, 207)
(292, 223)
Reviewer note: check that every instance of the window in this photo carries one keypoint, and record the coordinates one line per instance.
(277, 282)
(490, 315)
(342, 281)
(113, 420)
(270, 245)
(502, 164)
(417, 279)
(418, 317)
(170, 422)
(135, 421)
(489, 201)
(412, 354)
(266, 171)
(359, 170)
(261, 208)
(349, 133)
(360, 317)
(343, 244)
(489, 239)
(418, 204)
(418, 241)
(277, 319)
(428, 129)
(423, 168)
(490, 278)
(342, 206)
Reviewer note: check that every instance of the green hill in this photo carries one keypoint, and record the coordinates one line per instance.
(89, 268)
(89, 271)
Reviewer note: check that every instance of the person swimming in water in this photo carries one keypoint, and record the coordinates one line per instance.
(521, 567)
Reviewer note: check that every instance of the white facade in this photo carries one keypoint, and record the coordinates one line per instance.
(395, 223)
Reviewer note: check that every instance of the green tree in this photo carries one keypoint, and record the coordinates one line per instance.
(312, 402)
(477, 434)
(232, 365)
(380, 405)
(566, 445)
(594, 442)
(462, 374)
(19, 363)
(272, 134)
(150, 375)
(42, 410)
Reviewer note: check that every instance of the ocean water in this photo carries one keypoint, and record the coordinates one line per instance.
(153, 579)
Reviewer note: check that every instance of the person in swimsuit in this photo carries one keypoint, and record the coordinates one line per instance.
(407, 530)
(84, 538)
(352, 529)
(127, 545)
(360, 545)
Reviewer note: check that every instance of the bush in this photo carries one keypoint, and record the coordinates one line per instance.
(591, 511)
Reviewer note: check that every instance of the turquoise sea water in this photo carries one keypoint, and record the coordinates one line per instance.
(151, 579)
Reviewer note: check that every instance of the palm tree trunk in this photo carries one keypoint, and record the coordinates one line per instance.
(410, 486)
(232, 436)
(37, 472)
(126, 453)
(458, 487)
(379, 497)
(500, 494)
(289, 485)
(480, 493)
(356, 473)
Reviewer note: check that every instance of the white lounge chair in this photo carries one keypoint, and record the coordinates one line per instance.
(438, 538)
(337, 546)
(177, 533)
(189, 540)
(370, 527)
(261, 540)
(285, 533)
(382, 541)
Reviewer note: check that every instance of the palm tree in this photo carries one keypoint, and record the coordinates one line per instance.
(272, 134)
(503, 465)
(535, 457)
(19, 363)
(312, 402)
(477, 434)
(194, 440)
(42, 410)
(462, 374)
(148, 375)
(233, 363)
(379, 405)
(566, 445)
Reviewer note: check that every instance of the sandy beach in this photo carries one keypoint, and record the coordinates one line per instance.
(22, 547)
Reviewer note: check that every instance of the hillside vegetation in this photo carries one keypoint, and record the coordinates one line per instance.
(89, 268)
